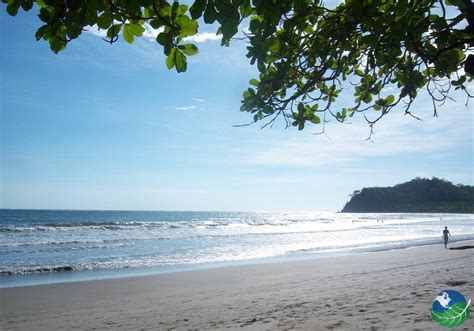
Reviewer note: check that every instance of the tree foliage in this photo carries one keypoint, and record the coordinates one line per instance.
(420, 195)
(379, 52)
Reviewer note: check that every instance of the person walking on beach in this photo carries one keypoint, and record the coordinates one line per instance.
(445, 236)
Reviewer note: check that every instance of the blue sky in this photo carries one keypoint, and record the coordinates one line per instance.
(109, 127)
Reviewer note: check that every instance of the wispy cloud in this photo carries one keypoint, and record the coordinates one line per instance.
(186, 108)
(163, 191)
(198, 100)
(396, 135)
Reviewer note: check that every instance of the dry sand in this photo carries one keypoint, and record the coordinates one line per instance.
(390, 290)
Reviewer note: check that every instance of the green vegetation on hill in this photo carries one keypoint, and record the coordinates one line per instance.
(420, 195)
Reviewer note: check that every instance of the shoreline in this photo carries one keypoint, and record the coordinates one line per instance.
(377, 290)
(86, 275)
(70, 275)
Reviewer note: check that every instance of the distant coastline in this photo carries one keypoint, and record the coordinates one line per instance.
(420, 195)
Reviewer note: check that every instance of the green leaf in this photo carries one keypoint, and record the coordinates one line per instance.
(229, 24)
(57, 44)
(165, 10)
(182, 9)
(301, 107)
(459, 82)
(174, 9)
(188, 49)
(166, 40)
(448, 62)
(41, 32)
(27, 5)
(454, 3)
(170, 59)
(180, 62)
(156, 23)
(225, 42)
(188, 27)
(245, 9)
(367, 98)
(136, 29)
(210, 14)
(12, 8)
(90, 16)
(390, 99)
(104, 21)
(127, 34)
(197, 9)
(453, 317)
(268, 109)
(315, 119)
(41, 3)
(254, 82)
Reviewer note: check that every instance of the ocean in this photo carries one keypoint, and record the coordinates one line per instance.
(49, 246)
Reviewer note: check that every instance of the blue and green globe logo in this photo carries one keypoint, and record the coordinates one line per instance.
(450, 309)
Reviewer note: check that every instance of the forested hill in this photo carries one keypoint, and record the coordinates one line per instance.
(420, 195)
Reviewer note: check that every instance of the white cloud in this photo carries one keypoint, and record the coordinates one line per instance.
(185, 108)
(150, 34)
(96, 31)
(203, 37)
(199, 100)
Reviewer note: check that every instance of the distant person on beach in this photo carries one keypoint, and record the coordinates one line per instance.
(445, 236)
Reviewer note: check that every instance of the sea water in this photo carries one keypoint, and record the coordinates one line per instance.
(44, 246)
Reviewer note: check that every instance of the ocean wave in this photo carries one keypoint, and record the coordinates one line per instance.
(190, 234)
(220, 256)
(24, 270)
(114, 226)
(36, 270)
(64, 242)
(84, 226)
(92, 234)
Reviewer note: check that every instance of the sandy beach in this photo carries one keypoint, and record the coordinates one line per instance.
(391, 290)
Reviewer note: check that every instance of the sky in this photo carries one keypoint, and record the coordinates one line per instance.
(102, 126)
